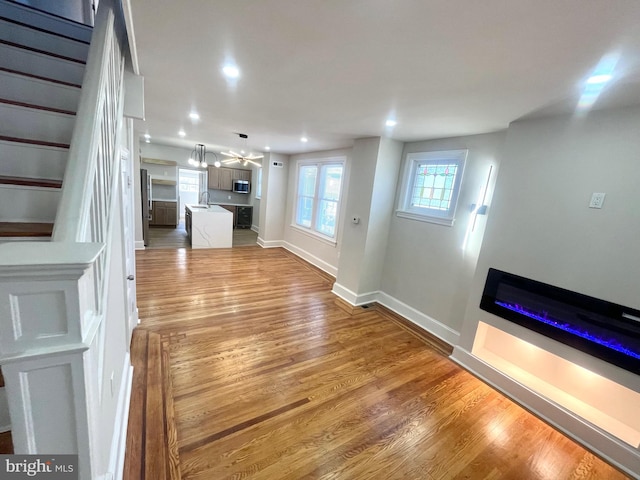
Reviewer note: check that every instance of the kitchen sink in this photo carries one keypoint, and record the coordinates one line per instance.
(199, 206)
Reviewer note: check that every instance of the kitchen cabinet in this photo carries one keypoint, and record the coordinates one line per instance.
(222, 178)
(164, 214)
(187, 222)
(242, 215)
(242, 174)
(232, 209)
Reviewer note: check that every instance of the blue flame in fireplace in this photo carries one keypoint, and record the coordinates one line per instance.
(612, 344)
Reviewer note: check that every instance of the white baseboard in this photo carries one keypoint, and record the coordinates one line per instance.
(312, 259)
(610, 448)
(255, 228)
(269, 243)
(119, 439)
(431, 325)
(139, 245)
(352, 297)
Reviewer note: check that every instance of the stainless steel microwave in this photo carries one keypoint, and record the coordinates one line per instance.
(241, 186)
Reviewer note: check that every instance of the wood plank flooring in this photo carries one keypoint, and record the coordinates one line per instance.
(247, 367)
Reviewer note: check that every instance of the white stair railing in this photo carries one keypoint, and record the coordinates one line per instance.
(54, 316)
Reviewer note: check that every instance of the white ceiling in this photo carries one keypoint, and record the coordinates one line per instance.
(335, 70)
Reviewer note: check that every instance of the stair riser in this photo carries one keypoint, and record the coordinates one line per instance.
(45, 21)
(28, 204)
(32, 161)
(35, 124)
(31, 90)
(43, 41)
(39, 64)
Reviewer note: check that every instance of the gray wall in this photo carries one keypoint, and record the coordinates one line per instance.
(541, 226)
(426, 266)
(274, 199)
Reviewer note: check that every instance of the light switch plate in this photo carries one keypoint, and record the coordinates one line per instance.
(597, 199)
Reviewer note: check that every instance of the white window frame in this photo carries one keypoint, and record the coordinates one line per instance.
(425, 214)
(318, 163)
(258, 188)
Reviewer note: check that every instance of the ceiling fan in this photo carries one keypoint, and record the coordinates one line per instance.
(238, 158)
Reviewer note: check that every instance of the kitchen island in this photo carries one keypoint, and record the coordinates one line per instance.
(209, 226)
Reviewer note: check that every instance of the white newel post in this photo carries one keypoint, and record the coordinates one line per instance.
(49, 315)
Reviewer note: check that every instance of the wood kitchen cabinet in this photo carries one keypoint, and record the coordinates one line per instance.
(242, 174)
(164, 214)
(222, 178)
(232, 209)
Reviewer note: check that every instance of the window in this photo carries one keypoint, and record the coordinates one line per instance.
(259, 184)
(431, 186)
(318, 196)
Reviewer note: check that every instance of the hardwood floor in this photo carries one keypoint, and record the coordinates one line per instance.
(247, 367)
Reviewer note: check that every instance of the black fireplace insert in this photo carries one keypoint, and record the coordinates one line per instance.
(602, 329)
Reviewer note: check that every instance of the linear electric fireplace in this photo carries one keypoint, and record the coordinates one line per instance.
(602, 329)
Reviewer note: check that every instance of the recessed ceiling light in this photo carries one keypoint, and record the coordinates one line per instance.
(182, 133)
(147, 136)
(194, 116)
(304, 139)
(391, 123)
(597, 79)
(267, 147)
(231, 71)
(147, 141)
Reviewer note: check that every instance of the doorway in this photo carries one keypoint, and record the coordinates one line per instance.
(191, 185)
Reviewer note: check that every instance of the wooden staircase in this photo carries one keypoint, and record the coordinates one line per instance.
(42, 61)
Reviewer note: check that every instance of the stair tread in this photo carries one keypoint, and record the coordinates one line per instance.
(43, 52)
(39, 77)
(30, 182)
(33, 141)
(36, 107)
(25, 229)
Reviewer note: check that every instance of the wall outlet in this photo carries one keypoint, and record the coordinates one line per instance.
(355, 220)
(228, 197)
(597, 200)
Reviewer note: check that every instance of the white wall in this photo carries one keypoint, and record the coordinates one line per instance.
(319, 252)
(426, 267)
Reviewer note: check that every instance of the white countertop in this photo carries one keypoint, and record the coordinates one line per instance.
(207, 209)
